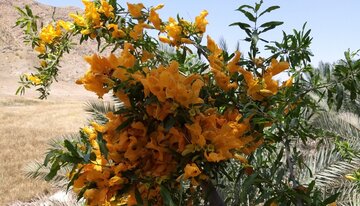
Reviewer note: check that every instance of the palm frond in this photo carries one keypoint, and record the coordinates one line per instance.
(327, 166)
(36, 169)
(60, 198)
(98, 110)
(349, 194)
(346, 125)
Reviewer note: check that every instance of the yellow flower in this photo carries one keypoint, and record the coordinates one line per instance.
(288, 83)
(85, 31)
(191, 170)
(350, 177)
(92, 15)
(78, 19)
(116, 33)
(65, 24)
(116, 180)
(41, 48)
(201, 22)
(135, 9)
(43, 63)
(49, 33)
(34, 79)
(173, 29)
(106, 9)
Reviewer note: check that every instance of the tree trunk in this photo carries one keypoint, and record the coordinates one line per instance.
(211, 195)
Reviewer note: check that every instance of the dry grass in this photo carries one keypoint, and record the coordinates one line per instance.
(25, 127)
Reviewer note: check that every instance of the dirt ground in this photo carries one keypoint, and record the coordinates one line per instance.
(26, 126)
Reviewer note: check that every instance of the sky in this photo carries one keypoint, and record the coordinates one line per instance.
(334, 24)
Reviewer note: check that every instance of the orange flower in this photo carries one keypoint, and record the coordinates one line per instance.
(154, 17)
(195, 131)
(135, 9)
(232, 66)
(288, 83)
(41, 48)
(116, 33)
(106, 9)
(201, 22)
(191, 170)
(97, 78)
(277, 67)
(137, 32)
(165, 40)
(263, 86)
(173, 30)
(169, 83)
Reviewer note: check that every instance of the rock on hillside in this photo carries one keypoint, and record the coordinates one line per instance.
(17, 58)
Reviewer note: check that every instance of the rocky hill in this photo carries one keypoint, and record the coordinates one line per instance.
(17, 58)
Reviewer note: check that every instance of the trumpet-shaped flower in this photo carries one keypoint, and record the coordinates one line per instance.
(106, 9)
(135, 9)
(201, 22)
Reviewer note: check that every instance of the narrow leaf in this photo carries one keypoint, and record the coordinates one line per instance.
(271, 8)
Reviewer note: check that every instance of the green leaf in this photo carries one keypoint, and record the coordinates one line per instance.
(138, 197)
(53, 170)
(102, 144)
(124, 124)
(248, 15)
(165, 194)
(75, 177)
(69, 146)
(331, 199)
(271, 23)
(271, 8)
(113, 4)
(20, 11)
(245, 6)
(28, 11)
(339, 96)
(243, 26)
(169, 123)
(258, 5)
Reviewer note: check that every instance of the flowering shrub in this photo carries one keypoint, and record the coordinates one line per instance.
(184, 118)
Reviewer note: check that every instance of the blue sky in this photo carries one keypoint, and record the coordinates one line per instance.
(334, 24)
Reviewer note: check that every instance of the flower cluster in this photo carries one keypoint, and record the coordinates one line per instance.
(172, 124)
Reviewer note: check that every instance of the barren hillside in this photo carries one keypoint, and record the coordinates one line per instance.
(17, 58)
